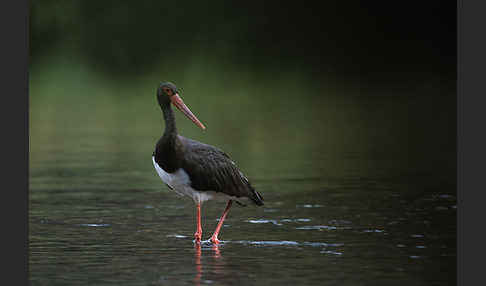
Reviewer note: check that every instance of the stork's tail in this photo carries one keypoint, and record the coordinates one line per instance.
(257, 197)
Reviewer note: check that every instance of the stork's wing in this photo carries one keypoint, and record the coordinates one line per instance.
(210, 169)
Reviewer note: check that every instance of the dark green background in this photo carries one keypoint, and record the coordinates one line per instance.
(350, 39)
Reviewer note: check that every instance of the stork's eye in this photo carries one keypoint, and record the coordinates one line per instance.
(168, 91)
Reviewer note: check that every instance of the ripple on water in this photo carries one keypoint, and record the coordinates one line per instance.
(339, 221)
(269, 243)
(295, 220)
(176, 236)
(331, 252)
(373, 230)
(287, 243)
(317, 227)
(446, 196)
(272, 221)
(265, 242)
(309, 206)
(95, 224)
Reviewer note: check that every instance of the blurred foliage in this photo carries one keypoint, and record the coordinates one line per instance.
(342, 37)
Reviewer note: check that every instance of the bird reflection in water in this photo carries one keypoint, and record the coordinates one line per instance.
(197, 260)
(216, 253)
(216, 265)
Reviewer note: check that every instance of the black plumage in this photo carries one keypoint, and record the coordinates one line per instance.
(209, 168)
(194, 168)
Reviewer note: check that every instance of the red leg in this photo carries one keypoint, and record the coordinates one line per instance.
(214, 238)
(198, 233)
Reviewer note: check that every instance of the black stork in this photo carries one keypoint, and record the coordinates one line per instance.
(195, 169)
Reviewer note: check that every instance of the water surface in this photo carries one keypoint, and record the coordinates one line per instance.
(359, 190)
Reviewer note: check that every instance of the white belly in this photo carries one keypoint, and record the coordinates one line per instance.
(180, 182)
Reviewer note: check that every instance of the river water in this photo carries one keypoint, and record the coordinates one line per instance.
(359, 190)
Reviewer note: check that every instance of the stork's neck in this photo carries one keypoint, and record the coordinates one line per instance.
(170, 131)
(166, 151)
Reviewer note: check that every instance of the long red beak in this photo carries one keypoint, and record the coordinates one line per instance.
(177, 101)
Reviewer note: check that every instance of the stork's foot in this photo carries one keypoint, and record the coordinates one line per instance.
(198, 234)
(197, 237)
(214, 239)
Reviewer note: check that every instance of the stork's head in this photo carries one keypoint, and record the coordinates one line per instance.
(167, 93)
